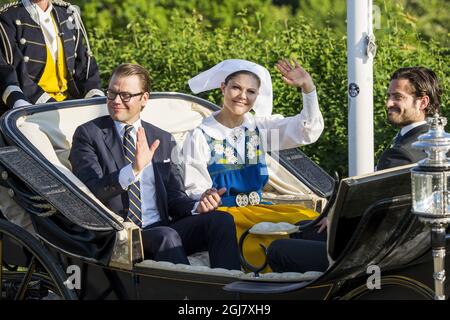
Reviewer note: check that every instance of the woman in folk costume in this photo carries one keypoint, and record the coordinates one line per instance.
(227, 150)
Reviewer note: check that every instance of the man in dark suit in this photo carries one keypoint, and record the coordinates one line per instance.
(141, 181)
(413, 95)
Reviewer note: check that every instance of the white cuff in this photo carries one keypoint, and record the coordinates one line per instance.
(8, 91)
(127, 177)
(194, 210)
(43, 98)
(21, 103)
(311, 96)
(94, 92)
(311, 104)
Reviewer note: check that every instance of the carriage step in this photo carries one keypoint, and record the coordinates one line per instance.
(264, 287)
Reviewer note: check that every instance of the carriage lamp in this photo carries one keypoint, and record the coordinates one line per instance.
(431, 193)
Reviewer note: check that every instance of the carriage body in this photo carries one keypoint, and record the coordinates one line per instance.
(74, 234)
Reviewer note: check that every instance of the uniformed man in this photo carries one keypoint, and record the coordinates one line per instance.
(413, 95)
(42, 59)
(43, 55)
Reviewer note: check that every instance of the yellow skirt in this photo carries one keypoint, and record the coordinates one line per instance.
(246, 217)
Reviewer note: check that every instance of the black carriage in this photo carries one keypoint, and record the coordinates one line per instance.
(70, 246)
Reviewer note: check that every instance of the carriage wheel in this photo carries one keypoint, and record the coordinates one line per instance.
(27, 270)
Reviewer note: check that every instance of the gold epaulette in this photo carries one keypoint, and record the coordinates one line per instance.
(6, 6)
(61, 3)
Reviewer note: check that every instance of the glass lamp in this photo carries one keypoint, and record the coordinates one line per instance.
(430, 193)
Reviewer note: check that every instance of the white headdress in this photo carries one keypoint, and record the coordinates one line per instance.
(213, 78)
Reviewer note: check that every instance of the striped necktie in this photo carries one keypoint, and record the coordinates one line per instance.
(134, 191)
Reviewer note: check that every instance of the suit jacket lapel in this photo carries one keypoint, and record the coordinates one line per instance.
(414, 131)
(113, 142)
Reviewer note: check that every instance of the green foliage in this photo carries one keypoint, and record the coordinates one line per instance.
(427, 18)
(117, 14)
(177, 39)
(324, 13)
(193, 45)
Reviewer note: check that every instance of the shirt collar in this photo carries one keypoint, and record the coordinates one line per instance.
(32, 10)
(36, 13)
(120, 126)
(218, 131)
(411, 126)
(44, 14)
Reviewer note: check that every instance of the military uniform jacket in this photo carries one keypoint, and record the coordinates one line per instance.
(24, 54)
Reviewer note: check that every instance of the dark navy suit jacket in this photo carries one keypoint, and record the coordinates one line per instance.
(402, 152)
(97, 157)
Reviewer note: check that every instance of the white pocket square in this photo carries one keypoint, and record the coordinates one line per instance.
(167, 160)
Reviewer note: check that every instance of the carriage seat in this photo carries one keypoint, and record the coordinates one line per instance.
(51, 133)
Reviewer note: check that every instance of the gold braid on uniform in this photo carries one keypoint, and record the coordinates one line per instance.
(79, 22)
(6, 6)
(80, 25)
(60, 3)
(6, 45)
(3, 34)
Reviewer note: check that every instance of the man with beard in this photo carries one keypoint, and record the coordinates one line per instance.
(413, 95)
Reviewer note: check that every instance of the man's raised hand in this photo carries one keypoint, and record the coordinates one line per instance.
(144, 153)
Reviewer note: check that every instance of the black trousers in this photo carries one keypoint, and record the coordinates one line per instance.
(306, 252)
(214, 231)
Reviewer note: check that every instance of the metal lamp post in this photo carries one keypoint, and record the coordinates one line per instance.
(431, 193)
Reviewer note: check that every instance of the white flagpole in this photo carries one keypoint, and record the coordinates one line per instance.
(360, 87)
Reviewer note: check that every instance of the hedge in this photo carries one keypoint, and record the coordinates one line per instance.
(192, 46)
